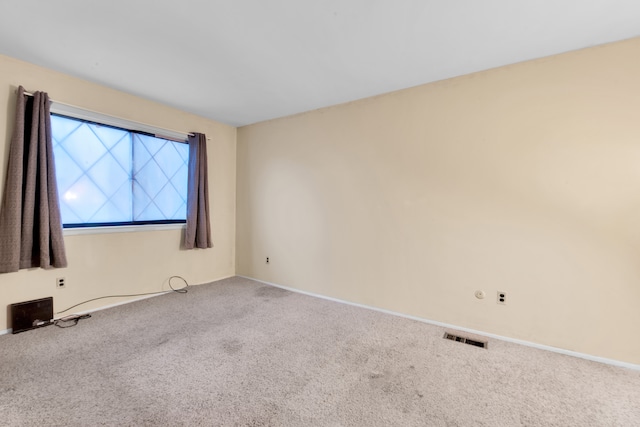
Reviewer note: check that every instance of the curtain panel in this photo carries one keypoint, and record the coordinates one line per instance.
(198, 230)
(30, 226)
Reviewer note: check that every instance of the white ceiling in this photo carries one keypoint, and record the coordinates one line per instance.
(244, 61)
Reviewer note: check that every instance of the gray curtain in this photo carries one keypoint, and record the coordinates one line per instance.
(30, 226)
(198, 232)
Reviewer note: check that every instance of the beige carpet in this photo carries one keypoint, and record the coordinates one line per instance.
(239, 353)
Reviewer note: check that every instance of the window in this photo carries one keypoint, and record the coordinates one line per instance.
(108, 175)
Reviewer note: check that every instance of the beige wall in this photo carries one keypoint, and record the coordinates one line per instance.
(103, 264)
(523, 179)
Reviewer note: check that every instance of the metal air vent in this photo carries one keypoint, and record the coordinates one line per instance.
(465, 340)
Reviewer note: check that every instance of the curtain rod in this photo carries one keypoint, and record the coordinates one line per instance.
(115, 117)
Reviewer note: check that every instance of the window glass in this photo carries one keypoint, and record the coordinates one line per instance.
(160, 174)
(112, 176)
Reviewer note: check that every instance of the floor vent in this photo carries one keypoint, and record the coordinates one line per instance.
(465, 340)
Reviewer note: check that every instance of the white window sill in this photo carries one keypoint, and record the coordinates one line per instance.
(121, 229)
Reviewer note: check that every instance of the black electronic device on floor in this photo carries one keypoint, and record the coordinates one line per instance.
(31, 314)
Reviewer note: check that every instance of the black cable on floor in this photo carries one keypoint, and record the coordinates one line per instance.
(64, 322)
(182, 290)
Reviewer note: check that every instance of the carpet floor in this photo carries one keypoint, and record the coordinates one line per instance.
(239, 353)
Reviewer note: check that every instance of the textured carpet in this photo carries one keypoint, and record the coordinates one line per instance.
(239, 353)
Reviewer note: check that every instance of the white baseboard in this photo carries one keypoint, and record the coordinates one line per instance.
(92, 310)
(8, 331)
(459, 328)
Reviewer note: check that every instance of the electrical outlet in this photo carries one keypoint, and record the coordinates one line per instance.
(502, 298)
(60, 282)
(267, 260)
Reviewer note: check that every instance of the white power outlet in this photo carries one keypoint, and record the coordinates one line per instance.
(502, 298)
(60, 282)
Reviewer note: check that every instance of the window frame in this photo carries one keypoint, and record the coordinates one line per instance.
(71, 112)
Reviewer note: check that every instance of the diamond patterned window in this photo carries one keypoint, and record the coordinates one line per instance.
(112, 176)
